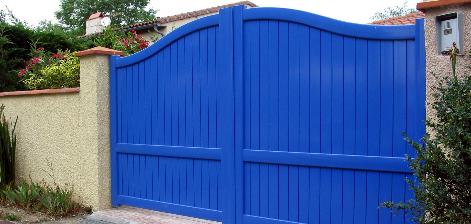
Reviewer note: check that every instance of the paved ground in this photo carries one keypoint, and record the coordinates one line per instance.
(132, 215)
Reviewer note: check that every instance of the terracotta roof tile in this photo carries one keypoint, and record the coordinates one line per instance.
(99, 50)
(422, 6)
(196, 13)
(401, 20)
(96, 15)
(181, 16)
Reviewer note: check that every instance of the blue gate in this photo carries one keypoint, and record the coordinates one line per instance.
(269, 115)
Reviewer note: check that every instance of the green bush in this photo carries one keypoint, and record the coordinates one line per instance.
(52, 200)
(116, 39)
(443, 162)
(43, 71)
(7, 150)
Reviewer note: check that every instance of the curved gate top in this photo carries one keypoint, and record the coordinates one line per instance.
(269, 115)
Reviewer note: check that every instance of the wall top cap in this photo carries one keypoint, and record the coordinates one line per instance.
(96, 15)
(99, 50)
(422, 6)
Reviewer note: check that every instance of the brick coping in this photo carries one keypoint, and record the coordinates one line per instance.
(41, 91)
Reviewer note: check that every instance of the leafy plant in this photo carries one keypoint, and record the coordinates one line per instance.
(116, 39)
(11, 217)
(44, 71)
(443, 164)
(52, 200)
(7, 150)
(131, 43)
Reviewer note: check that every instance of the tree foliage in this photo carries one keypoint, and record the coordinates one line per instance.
(390, 12)
(443, 164)
(73, 13)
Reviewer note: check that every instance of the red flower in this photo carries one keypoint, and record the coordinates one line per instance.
(143, 46)
(19, 74)
(41, 48)
(28, 66)
(24, 61)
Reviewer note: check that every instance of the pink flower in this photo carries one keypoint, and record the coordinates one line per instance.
(41, 48)
(24, 61)
(28, 66)
(19, 74)
(143, 46)
(23, 71)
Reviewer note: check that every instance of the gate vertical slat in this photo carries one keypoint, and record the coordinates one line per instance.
(273, 117)
(314, 91)
(203, 61)
(336, 205)
(184, 79)
(283, 117)
(264, 115)
(411, 90)
(387, 93)
(374, 95)
(348, 196)
(314, 202)
(337, 124)
(349, 94)
(153, 89)
(360, 196)
(400, 119)
(361, 97)
(167, 116)
(294, 119)
(398, 194)
(304, 122)
(372, 200)
(385, 189)
(337, 94)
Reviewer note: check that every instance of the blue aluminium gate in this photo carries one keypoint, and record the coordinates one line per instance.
(269, 115)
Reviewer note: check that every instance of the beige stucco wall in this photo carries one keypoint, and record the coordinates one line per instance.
(441, 64)
(64, 138)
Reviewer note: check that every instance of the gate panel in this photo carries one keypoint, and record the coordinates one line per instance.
(269, 116)
(166, 122)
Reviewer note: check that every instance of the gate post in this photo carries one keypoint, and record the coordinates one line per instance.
(94, 82)
(231, 99)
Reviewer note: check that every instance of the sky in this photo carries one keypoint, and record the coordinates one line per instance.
(355, 11)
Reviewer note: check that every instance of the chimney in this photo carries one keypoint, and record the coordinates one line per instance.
(93, 24)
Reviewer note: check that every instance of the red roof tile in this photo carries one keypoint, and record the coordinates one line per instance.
(99, 50)
(196, 13)
(169, 19)
(422, 6)
(96, 15)
(400, 20)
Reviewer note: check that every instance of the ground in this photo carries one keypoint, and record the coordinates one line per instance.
(26, 216)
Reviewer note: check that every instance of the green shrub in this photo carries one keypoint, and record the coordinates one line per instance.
(61, 70)
(443, 163)
(116, 39)
(41, 197)
(7, 150)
